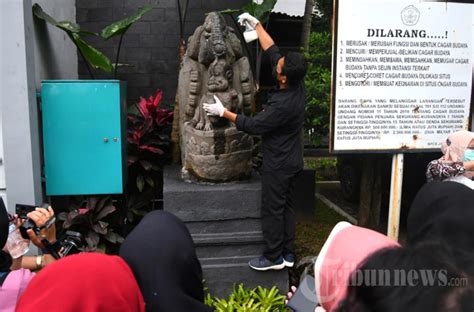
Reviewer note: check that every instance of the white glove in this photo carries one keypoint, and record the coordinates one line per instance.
(249, 19)
(214, 109)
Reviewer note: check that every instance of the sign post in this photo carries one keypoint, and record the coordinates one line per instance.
(395, 196)
(402, 79)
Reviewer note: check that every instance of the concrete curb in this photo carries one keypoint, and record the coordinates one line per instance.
(336, 208)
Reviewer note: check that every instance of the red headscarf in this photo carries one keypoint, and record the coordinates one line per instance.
(85, 282)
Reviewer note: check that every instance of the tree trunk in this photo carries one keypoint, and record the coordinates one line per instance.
(306, 31)
(370, 192)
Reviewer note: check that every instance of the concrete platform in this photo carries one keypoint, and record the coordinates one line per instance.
(224, 221)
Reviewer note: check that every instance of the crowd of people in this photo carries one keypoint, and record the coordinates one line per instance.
(157, 270)
(357, 269)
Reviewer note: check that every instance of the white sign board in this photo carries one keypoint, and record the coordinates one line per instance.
(402, 74)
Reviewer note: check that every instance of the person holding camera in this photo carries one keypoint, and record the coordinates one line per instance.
(16, 269)
(280, 125)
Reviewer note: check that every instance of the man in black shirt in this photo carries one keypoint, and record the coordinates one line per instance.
(280, 125)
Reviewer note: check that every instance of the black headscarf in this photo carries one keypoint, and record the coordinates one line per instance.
(444, 212)
(5, 259)
(161, 254)
(3, 224)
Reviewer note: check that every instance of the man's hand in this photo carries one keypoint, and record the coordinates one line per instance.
(214, 109)
(247, 18)
(290, 294)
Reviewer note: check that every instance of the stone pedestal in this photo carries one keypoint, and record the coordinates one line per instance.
(224, 221)
(218, 156)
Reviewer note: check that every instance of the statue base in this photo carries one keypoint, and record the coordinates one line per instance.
(225, 223)
(218, 156)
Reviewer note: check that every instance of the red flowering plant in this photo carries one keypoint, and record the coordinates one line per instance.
(148, 137)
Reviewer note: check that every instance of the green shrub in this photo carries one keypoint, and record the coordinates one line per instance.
(321, 163)
(318, 86)
(325, 167)
(249, 300)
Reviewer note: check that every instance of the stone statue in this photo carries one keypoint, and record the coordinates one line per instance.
(212, 149)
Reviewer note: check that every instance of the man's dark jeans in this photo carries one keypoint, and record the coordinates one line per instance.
(278, 213)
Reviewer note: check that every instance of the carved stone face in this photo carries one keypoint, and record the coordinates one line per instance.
(214, 22)
(215, 34)
(219, 76)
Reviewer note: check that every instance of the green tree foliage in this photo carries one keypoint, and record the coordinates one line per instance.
(318, 85)
(91, 55)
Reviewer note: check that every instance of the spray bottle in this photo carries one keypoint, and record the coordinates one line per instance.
(250, 34)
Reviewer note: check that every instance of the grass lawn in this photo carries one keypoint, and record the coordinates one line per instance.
(311, 233)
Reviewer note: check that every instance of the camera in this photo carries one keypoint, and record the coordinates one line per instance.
(71, 243)
(22, 212)
(27, 225)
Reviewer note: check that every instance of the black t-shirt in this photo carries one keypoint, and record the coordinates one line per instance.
(280, 125)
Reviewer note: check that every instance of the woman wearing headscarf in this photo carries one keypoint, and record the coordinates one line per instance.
(161, 254)
(345, 249)
(443, 211)
(13, 284)
(362, 270)
(424, 277)
(89, 282)
(15, 274)
(457, 162)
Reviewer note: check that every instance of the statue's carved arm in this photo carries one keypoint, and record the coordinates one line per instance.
(194, 89)
(246, 83)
